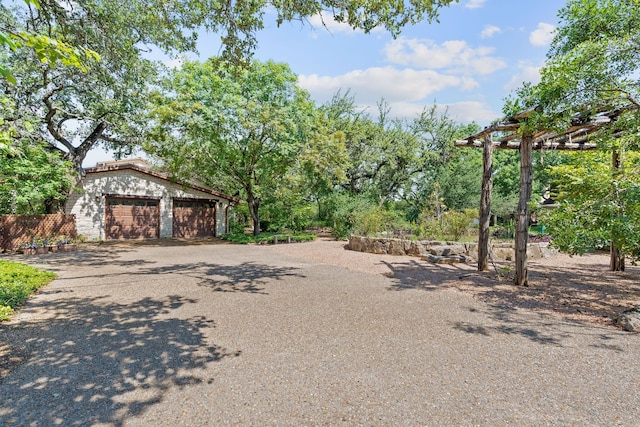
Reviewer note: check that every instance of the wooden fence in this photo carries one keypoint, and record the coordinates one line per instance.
(16, 230)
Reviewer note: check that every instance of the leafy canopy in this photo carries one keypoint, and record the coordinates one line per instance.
(235, 127)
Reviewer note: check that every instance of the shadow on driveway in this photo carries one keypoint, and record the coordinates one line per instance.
(247, 277)
(101, 362)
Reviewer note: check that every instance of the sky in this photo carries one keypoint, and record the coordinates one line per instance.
(468, 63)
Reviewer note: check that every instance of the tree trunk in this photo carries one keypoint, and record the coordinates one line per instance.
(522, 215)
(485, 203)
(616, 262)
(254, 210)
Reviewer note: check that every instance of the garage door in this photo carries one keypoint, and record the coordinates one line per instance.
(132, 218)
(194, 218)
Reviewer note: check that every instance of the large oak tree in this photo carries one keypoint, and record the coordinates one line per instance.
(239, 128)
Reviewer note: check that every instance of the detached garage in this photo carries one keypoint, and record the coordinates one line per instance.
(127, 200)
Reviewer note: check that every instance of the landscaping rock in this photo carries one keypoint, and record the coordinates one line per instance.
(629, 320)
(451, 259)
(447, 250)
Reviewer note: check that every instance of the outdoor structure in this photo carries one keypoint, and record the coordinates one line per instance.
(508, 134)
(127, 200)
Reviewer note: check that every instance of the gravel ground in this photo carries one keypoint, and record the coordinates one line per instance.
(305, 334)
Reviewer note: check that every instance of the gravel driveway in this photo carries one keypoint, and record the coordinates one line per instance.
(300, 334)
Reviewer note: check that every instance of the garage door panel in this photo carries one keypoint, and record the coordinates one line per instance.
(193, 219)
(132, 219)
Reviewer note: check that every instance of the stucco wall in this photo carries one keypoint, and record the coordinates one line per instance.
(90, 215)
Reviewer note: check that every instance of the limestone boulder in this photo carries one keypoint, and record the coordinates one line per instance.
(629, 320)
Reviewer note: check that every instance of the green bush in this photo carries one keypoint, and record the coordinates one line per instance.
(266, 237)
(451, 225)
(17, 283)
(345, 212)
(379, 220)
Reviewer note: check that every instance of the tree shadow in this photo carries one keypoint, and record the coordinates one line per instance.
(583, 290)
(93, 361)
(506, 322)
(421, 275)
(540, 328)
(247, 277)
(86, 255)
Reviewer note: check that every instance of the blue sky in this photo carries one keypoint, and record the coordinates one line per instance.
(469, 62)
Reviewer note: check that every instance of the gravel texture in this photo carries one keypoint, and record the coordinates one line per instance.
(309, 334)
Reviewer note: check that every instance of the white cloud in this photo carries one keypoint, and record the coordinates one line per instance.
(474, 4)
(471, 111)
(174, 64)
(527, 73)
(542, 35)
(327, 23)
(489, 31)
(394, 85)
(452, 54)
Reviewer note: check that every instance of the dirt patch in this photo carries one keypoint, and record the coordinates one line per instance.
(577, 288)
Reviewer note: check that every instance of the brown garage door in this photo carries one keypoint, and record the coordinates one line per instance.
(132, 218)
(194, 218)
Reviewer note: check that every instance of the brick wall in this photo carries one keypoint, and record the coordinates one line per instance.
(18, 229)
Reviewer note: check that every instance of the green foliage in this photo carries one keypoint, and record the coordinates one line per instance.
(17, 283)
(593, 65)
(451, 224)
(450, 172)
(267, 237)
(30, 177)
(46, 49)
(343, 210)
(233, 127)
(281, 212)
(378, 220)
(598, 204)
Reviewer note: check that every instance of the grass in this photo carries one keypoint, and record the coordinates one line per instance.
(17, 283)
(266, 237)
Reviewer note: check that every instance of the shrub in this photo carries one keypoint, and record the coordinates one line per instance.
(345, 213)
(378, 220)
(17, 283)
(451, 224)
(265, 237)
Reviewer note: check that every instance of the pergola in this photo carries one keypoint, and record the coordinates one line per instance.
(511, 133)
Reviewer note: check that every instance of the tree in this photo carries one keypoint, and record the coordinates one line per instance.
(235, 127)
(449, 172)
(44, 47)
(592, 65)
(102, 105)
(385, 155)
(30, 177)
(598, 204)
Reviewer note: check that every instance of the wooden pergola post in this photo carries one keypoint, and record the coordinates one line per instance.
(485, 203)
(616, 259)
(522, 214)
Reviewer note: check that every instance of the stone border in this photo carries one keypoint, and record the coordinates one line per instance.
(443, 252)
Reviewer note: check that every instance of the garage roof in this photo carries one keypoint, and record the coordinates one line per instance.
(135, 166)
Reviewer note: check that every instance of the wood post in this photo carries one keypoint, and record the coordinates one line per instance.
(485, 203)
(616, 259)
(522, 215)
